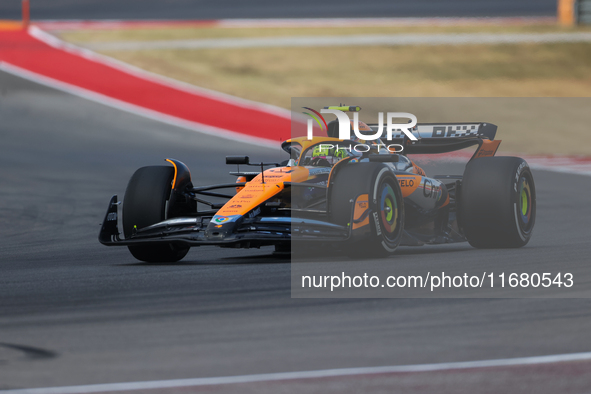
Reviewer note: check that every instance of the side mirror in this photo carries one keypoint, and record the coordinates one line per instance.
(237, 160)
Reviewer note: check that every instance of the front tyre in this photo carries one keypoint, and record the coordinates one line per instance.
(498, 202)
(388, 213)
(385, 206)
(145, 204)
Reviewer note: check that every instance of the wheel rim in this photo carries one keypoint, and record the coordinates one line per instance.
(389, 211)
(525, 206)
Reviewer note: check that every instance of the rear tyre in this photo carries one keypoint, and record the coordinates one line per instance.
(385, 205)
(145, 204)
(498, 202)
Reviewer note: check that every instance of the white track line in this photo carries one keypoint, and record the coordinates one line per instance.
(402, 21)
(568, 165)
(135, 109)
(156, 78)
(564, 164)
(292, 22)
(347, 40)
(580, 165)
(328, 373)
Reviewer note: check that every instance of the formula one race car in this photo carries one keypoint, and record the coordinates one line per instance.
(344, 193)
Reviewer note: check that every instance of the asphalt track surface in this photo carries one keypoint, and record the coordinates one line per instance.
(75, 312)
(190, 9)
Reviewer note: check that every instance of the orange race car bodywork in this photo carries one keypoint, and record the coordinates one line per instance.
(293, 199)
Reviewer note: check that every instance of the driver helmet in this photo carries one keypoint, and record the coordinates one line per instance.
(331, 154)
(365, 129)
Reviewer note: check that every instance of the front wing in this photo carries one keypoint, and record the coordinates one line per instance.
(251, 232)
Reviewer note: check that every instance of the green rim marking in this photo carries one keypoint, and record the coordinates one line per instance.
(391, 211)
(524, 202)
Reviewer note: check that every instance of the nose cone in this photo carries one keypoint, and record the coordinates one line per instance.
(221, 226)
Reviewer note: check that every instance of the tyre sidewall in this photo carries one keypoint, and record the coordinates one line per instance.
(387, 241)
(144, 204)
(490, 201)
(354, 180)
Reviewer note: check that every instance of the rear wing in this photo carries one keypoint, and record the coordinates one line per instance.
(447, 137)
(446, 130)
